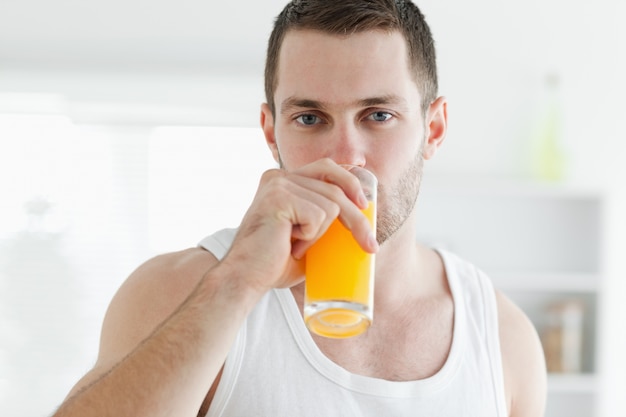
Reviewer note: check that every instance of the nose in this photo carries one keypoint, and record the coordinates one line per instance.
(346, 146)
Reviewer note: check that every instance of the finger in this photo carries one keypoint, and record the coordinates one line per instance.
(311, 204)
(304, 203)
(361, 230)
(349, 214)
(312, 216)
(315, 222)
(326, 170)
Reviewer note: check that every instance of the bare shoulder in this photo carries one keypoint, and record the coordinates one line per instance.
(148, 296)
(525, 376)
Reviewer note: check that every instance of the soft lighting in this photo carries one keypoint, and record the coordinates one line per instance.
(201, 179)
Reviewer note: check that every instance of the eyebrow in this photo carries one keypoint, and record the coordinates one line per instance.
(383, 100)
(294, 102)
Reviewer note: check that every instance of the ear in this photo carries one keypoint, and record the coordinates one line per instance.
(436, 126)
(267, 124)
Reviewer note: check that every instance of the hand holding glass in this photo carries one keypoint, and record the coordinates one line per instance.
(339, 282)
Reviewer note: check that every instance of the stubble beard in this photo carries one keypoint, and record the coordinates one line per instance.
(396, 203)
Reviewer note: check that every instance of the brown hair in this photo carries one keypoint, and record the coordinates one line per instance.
(344, 17)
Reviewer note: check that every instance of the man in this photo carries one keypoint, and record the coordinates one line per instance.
(219, 327)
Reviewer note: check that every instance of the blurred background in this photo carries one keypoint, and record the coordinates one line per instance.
(129, 128)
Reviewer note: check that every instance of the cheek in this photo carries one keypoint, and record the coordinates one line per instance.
(392, 157)
(293, 155)
(400, 143)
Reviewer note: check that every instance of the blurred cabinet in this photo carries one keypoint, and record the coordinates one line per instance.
(541, 244)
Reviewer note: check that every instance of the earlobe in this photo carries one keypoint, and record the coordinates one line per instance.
(267, 124)
(437, 127)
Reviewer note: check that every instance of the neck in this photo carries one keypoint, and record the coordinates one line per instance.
(407, 269)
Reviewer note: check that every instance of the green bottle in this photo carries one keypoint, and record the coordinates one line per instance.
(548, 162)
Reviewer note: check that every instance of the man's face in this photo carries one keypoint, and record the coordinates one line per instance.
(352, 99)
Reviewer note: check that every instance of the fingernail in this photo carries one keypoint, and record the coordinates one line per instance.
(297, 254)
(363, 200)
(373, 243)
(298, 250)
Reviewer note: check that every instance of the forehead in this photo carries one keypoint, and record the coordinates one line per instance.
(337, 68)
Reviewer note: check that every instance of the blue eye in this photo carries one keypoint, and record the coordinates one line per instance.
(308, 119)
(380, 116)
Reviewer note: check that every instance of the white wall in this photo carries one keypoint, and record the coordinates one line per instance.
(493, 57)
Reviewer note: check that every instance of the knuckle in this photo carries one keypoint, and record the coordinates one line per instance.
(336, 193)
(327, 162)
(271, 174)
(275, 182)
(333, 211)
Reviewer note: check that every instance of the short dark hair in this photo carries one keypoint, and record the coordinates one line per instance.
(345, 17)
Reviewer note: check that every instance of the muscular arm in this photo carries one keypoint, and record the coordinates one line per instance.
(160, 351)
(524, 366)
(169, 328)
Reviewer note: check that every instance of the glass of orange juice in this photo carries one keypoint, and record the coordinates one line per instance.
(339, 275)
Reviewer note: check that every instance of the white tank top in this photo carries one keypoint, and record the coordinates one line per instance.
(275, 369)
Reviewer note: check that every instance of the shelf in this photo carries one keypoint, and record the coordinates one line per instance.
(572, 383)
(511, 227)
(546, 282)
(542, 245)
(506, 187)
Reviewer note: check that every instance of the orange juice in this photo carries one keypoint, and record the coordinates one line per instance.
(339, 282)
